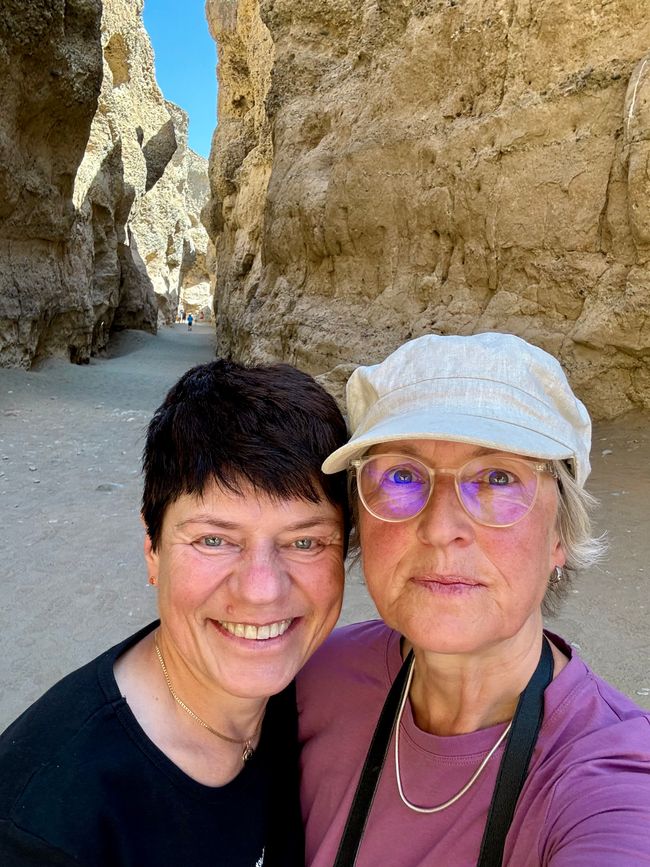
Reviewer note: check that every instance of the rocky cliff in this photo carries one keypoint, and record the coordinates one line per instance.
(390, 167)
(100, 228)
(50, 77)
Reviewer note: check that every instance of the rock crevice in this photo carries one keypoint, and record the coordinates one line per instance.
(100, 195)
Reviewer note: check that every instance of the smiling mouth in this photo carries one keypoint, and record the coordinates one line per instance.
(256, 633)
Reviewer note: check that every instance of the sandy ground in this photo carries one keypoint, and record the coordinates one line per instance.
(72, 578)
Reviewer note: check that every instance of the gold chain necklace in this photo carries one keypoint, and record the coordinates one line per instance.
(247, 743)
(466, 787)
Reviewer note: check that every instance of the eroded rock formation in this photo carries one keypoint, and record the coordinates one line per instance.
(139, 158)
(384, 169)
(50, 76)
(100, 196)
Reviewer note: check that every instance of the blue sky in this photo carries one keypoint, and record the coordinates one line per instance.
(186, 58)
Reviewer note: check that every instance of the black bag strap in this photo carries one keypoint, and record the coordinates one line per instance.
(521, 741)
(375, 758)
(522, 738)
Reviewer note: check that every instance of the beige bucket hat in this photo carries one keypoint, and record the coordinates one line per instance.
(493, 390)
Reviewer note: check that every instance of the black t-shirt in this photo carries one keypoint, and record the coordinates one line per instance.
(81, 784)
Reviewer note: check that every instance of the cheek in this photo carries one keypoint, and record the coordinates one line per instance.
(189, 578)
(382, 546)
(522, 554)
(328, 582)
(382, 539)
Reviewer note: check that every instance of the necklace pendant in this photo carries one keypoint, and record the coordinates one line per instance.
(247, 752)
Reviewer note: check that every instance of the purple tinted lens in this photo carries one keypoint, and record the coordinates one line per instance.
(394, 490)
(496, 504)
(405, 503)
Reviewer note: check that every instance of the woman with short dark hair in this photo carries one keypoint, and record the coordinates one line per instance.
(178, 746)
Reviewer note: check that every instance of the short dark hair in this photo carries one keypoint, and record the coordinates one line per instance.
(268, 426)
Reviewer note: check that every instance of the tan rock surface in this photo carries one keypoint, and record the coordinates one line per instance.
(108, 241)
(160, 175)
(50, 75)
(166, 224)
(386, 169)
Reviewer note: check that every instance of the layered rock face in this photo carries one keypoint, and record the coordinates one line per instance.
(167, 226)
(100, 221)
(50, 77)
(136, 184)
(385, 169)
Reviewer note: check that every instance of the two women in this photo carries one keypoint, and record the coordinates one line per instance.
(178, 746)
(496, 743)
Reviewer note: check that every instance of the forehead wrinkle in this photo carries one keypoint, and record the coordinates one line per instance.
(207, 518)
(410, 448)
(215, 520)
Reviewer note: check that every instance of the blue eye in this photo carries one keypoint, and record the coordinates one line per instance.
(303, 544)
(401, 476)
(500, 478)
(212, 541)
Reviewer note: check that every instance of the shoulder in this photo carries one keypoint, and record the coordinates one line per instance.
(349, 650)
(59, 726)
(349, 674)
(584, 708)
(593, 757)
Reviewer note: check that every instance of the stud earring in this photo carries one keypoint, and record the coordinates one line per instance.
(152, 580)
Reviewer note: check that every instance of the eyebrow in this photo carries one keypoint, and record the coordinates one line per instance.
(216, 521)
(478, 452)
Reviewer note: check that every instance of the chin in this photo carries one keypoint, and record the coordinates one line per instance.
(260, 685)
(437, 637)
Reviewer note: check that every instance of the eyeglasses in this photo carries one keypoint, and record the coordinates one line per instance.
(494, 490)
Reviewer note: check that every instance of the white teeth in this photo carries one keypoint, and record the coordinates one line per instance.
(256, 633)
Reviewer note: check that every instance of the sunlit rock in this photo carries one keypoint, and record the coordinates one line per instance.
(382, 170)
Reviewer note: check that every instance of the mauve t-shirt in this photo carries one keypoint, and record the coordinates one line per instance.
(585, 803)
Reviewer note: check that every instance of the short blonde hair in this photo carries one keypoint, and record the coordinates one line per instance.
(581, 547)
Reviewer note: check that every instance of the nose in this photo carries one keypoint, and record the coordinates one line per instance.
(261, 578)
(443, 520)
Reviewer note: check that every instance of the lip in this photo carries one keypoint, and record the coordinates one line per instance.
(447, 583)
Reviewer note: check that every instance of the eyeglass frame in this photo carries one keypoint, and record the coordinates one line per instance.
(537, 466)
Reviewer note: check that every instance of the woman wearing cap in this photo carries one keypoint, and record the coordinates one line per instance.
(492, 741)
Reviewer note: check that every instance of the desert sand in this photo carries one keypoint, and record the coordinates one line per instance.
(73, 580)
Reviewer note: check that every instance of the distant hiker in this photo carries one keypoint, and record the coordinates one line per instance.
(190, 320)
(182, 315)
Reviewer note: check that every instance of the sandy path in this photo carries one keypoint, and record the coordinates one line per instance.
(72, 579)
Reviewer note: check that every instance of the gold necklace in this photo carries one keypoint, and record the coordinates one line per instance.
(438, 808)
(248, 750)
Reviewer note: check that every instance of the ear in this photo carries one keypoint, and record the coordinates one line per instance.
(558, 557)
(151, 558)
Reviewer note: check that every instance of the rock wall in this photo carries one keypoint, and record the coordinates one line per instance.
(148, 209)
(100, 194)
(386, 168)
(50, 76)
(166, 225)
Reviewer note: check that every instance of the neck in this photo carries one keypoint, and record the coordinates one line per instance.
(454, 694)
(233, 716)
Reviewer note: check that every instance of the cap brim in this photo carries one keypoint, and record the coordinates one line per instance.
(499, 434)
